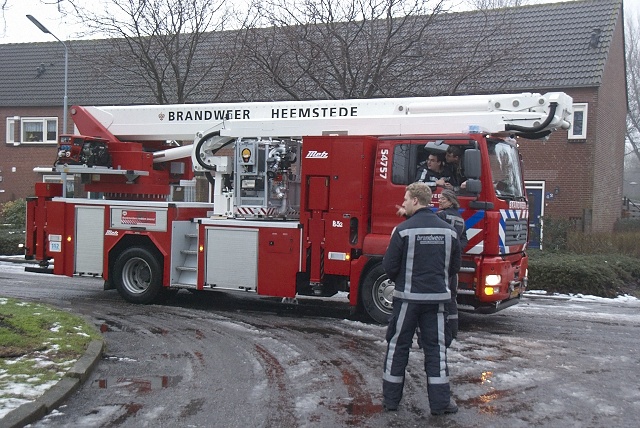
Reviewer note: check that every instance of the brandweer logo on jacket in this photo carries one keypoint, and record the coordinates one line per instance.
(430, 239)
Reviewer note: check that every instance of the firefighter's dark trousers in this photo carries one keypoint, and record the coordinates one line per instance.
(451, 330)
(431, 319)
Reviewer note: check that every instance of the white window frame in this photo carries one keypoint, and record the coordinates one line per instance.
(10, 130)
(44, 121)
(584, 109)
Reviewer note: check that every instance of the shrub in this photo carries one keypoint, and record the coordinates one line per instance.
(13, 221)
(14, 213)
(603, 243)
(556, 233)
(627, 225)
(590, 243)
(9, 241)
(594, 274)
(600, 264)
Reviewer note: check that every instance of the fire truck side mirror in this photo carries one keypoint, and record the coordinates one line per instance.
(472, 163)
(473, 186)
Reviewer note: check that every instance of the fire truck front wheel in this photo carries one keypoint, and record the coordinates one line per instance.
(377, 295)
(138, 275)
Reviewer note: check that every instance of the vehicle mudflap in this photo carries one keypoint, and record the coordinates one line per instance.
(38, 269)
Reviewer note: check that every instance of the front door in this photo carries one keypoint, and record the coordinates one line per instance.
(535, 195)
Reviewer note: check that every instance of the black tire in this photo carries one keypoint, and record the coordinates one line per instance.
(137, 275)
(377, 295)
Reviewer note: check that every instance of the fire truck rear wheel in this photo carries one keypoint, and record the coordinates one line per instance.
(377, 295)
(138, 275)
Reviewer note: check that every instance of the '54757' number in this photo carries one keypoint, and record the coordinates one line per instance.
(384, 163)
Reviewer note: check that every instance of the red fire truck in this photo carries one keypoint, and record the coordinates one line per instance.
(300, 196)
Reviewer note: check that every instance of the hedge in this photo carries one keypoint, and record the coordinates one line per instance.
(604, 275)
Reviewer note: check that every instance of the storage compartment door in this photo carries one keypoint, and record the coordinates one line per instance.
(232, 258)
(89, 248)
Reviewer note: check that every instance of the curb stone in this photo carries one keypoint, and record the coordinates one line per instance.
(18, 260)
(84, 366)
(53, 397)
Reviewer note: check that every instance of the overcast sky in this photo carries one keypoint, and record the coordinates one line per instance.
(16, 28)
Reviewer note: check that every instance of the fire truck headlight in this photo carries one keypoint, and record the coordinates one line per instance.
(492, 280)
(488, 291)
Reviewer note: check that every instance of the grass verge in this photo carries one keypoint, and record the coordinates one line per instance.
(38, 344)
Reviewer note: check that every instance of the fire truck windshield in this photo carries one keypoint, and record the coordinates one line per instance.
(505, 170)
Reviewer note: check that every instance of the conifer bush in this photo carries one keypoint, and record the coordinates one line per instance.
(12, 226)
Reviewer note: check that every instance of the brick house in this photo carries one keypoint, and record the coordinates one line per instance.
(576, 47)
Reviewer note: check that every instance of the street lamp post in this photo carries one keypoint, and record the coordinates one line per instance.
(66, 68)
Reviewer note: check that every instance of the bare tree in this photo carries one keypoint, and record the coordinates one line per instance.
(173, 46)
(339, 49)
(494, 4)
(297, 49)
(633, 82)
(5, 5)
(366, 48)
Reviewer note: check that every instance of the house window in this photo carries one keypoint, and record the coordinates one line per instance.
(39, 130)
(11, 130)
(578, 130)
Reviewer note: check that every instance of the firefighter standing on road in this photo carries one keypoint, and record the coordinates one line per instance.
(424, 252)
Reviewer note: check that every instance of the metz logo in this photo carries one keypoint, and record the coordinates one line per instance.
(111, 233)
(313, 154)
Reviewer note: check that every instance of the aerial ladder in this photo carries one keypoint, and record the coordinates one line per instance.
(213, 126)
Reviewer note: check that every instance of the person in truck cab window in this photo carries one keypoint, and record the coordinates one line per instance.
(431, 171)
(453, 168)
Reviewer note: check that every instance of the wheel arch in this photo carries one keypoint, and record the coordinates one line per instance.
(372, 263)
(369, 308)
(128, 241)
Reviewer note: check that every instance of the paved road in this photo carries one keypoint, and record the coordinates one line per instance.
(227, 360)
